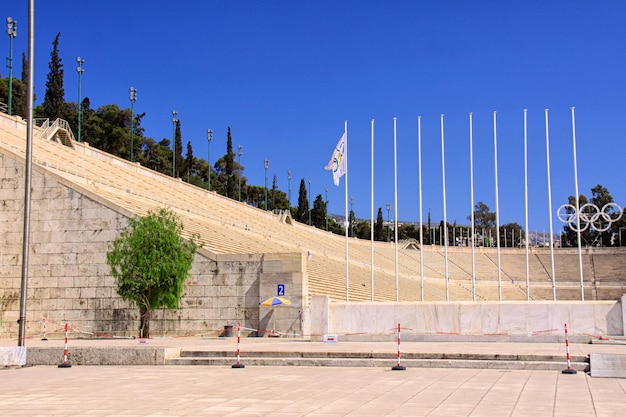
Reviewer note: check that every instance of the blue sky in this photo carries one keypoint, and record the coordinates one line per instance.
(284, 75)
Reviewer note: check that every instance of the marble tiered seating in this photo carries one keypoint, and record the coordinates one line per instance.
(227, 226)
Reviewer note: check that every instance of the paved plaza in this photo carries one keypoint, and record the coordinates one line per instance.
(308, 391)
(303, 391)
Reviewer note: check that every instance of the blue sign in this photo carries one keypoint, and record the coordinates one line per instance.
(281, 290)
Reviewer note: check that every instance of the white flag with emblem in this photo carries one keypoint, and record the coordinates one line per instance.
(338, 160)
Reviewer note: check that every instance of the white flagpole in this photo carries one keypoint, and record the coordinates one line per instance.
(419, 159)
(345, 130)
(580, 253)
(471, 128)
(526, 199)
(445, 214)
(550, 208)
(372, 212)
(395, 202)
(495, 158)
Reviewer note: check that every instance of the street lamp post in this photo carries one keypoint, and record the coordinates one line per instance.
(80, 61)
(12, 32)
(388, 220)
(209, 137)
(133, 98)
(239, 170)
(289, 187)
(266, 164)
(174, 120)
(326, 211)
(310, 202)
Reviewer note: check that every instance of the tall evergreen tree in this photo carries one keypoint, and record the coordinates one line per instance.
(178, 142)
(318, 214)
(20, 90)
(53, 105)
(351, 221)
(272, 197)
(379, 226)
(303, 204)
(189, 168)
(231, 186)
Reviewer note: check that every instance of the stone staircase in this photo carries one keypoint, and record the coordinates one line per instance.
(379, 359)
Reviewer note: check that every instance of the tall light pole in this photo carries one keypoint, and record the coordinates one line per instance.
(209, 137)
(310, 202)
(133, 98)
(266, 164)
(289, 187)
(388, 220)
(174, 120)
(326, 211)
(239, 154)
(79, 69)
(12, 32)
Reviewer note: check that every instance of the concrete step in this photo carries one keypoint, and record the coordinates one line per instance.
(377, 359)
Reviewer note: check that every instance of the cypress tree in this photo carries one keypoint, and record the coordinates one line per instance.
(303, 204)
(179, 150)
(231, 187)
(379, 227)
(53, 105)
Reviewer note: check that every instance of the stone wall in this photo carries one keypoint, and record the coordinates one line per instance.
(69, 280)
(506, 320)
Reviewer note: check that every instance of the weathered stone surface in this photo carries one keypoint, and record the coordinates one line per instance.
(69, 280)
(607, 365)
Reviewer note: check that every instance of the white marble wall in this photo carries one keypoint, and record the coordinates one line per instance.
(535, 319)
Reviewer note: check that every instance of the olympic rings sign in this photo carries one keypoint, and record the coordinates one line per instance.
(590, 216)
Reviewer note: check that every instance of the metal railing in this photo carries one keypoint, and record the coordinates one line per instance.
(47, 129)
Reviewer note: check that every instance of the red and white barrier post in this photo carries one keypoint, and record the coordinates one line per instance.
(398, 367)
(238, 364)
(569, 369)
(65, 363)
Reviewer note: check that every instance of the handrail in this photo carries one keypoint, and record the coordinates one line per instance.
(48, 130)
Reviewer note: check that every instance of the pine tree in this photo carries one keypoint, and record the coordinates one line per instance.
(53, 105)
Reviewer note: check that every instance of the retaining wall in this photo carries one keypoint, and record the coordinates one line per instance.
(69, 280)
(508, 320)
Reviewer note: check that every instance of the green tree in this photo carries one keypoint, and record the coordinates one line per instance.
(20, 99)
(379, 227)
(483, 218)
(600, 196)
(229, 159)
(512, 235)
(570, 237)
(150, 262)
(303, 204)
(189, 167)
(178, 144)
(362, 230)
(53, 105)
(591, 236)
(108, 129)
(318, 214)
